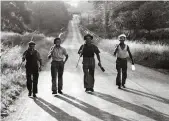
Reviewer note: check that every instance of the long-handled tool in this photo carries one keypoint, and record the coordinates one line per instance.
(80, 55)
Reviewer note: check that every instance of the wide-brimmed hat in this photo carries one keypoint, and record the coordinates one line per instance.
(88, 35)
(122, 35)
(32, 43)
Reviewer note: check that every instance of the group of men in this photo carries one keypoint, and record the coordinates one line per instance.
(59, 57)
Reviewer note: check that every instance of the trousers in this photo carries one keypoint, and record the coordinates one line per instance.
(57, 68)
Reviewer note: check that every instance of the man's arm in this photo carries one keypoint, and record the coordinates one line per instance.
(80, 50)
(66, 55)
(98, 58)
(115, 50)
(24, 56)
(97, 51)
(131, 57)
(66, 58)
(39, 58)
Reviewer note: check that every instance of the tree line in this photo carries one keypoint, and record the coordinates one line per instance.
(43, 16)
(138, 19)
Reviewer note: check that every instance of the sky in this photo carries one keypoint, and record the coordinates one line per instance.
(73, 3)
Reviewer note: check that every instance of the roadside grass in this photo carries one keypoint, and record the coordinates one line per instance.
(13, 81)
(152, 54)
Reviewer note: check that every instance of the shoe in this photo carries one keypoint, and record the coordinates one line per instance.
(119, 87)
(123, 86)
(92, 90)
(87, 89)
(30, 93)
(54, 92)
(60, 92)
(34, 95)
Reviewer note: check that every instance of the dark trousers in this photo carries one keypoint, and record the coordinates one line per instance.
(57, 68)
(121, 66)
(88, 69)
(32, 77)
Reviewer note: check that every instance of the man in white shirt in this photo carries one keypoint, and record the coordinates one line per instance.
(57, 53)
(122, 51)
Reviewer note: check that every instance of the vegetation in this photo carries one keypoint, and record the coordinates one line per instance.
(137, 19)
(154, 54)
(48, 17)
(13, 78)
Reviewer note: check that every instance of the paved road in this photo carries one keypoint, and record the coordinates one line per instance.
(146, 97)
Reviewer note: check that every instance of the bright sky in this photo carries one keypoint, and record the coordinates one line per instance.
(73, 2)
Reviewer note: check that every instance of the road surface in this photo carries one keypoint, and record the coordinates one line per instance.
(146, 97)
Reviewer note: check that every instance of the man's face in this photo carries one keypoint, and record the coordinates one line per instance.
(32, 47)
(122, 39)
(58, 42)
(88, 40)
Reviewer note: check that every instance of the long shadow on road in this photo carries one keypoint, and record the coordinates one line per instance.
(148, 95)
(54, 111)
(158, 116)
(96, 112)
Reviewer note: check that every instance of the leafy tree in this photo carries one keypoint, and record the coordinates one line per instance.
(49, 16)
(14, 16)
(149, 15)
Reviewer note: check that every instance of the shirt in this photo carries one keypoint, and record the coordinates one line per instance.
(122, 53)
(89, 50)
(32, 58)
(57, 53)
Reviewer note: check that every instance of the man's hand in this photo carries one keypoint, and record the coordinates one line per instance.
(49, 56)
(100, 64)
(40, 68)
(23, 59)
(132, 62)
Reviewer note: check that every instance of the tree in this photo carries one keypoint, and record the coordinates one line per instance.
(49, 16)
(149, 15)
(14, 16)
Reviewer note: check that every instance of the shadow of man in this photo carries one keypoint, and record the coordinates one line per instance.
(55, 112)
(153, 114)
(148, 95)
(96, 112)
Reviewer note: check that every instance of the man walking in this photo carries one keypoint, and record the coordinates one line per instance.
(122, 51)
(57, 54)
(32, 57)
(87, 51)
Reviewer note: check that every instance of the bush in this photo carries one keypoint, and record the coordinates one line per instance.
(13, 80)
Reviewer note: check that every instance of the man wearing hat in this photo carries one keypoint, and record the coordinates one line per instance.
(33, 65)
(122, 51)
(57, 53)
(87, 51)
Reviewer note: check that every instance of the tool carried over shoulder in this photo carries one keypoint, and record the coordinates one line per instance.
(80, 55)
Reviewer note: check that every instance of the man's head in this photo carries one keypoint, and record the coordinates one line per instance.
(57, 41)
(32, 45)
(88, 38)
(122, 38)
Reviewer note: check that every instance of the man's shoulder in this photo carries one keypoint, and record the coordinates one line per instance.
(62, 48)
(94, 45)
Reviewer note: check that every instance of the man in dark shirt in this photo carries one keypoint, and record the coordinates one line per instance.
(32, 58)
(87, 51)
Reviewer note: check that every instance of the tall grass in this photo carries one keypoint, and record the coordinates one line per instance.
(13, 81)
(153, 54)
